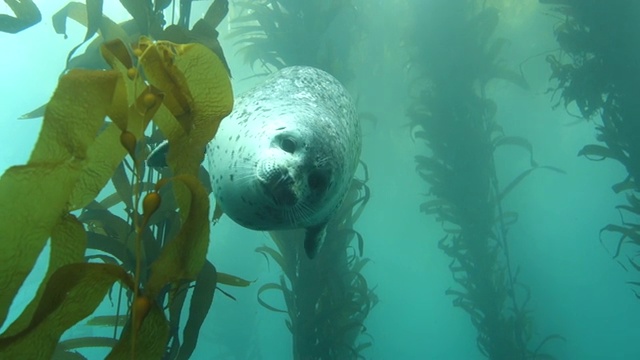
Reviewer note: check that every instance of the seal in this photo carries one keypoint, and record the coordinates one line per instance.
(286, 155)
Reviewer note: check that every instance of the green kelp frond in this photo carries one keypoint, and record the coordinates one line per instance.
(76, 154)
(183, 257)
(34, 198)
(72, 293)
(198, 96)
(146, 22)
(452, 114)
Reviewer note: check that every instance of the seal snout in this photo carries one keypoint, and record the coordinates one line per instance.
(279, 184)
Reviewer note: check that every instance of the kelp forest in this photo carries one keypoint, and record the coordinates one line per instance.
(485, 220)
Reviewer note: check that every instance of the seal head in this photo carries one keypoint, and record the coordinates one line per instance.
(286, 155)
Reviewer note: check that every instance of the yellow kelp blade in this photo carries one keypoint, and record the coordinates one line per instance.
(151, 338)
(183, 257)
(131, 109)
(68, 243)
(72, 293)
(34, 197)
(198, 96)
(157, 60)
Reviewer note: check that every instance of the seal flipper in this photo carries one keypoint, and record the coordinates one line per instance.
(314, 238)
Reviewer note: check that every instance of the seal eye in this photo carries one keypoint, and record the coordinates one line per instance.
(288, 145)
(317, 181)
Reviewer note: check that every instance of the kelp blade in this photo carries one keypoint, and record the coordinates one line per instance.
(39, 192)
(151, 338)
(27, 15)
(72, 293)
(201, 300)
(196, 80)
(183, 257)
(68, 243)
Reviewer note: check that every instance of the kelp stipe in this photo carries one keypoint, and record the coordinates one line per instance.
(454, 55)
(282, 37)
(598, 71)
(158, 248)
(327, 299)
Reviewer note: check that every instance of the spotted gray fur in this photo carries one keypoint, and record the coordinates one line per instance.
(286, 155)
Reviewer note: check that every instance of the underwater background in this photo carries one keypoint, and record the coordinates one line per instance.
(489, 227)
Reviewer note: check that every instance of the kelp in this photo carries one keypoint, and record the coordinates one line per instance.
(146, 22)
(27, 15)
(279, 33)
(596, 72)
(71, 294)
(327, 299)
(49, 177)
(455, 56)
(158, 249)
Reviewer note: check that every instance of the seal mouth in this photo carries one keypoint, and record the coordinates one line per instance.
(278, 184)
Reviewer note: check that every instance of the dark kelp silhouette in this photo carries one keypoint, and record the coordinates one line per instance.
(279, 33)
(598, 71)
(327, 299)
(455, 55)
(155, 248)
(27, 15)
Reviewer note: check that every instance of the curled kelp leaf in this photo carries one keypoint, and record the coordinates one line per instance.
(200, 304)
(275, 255)
(232, 280)
(183, 257)
(89, 15)
(72, 293)
(267, 287)
(599, 152)
(516, 141)
(518, 179)
(27, 15)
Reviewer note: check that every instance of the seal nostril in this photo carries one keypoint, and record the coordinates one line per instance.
(288, 145)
